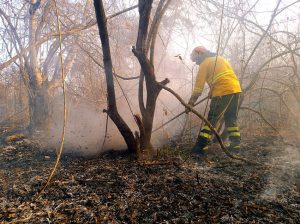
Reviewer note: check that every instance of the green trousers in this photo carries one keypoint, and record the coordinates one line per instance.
(227, 107)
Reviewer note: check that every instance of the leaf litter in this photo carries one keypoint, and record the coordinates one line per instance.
(115, 188)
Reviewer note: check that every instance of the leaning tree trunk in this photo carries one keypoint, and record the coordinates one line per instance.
(144, 41)
(112, 111)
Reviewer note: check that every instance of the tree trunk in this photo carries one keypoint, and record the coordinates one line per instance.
(144, 41)
(38, 98)
(112, 111)
(39, 109)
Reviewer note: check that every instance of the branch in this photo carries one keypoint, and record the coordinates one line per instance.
(48, 36)
(263, 65)
(161, 8)
(263, 36)
(101, 66)
(111, 98)
(62, 140)
(281, 99)
(144, 11)
(121, 12)
(178, 115)
(264, 31)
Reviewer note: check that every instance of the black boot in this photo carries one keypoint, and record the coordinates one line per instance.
(234, 147)
(199, 149)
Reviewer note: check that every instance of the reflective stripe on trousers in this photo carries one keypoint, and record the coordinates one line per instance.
(234, 134)
(206, 133)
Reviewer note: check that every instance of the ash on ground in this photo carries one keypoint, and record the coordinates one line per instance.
(171, 188)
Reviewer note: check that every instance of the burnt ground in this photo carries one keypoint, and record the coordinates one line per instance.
(114, 188)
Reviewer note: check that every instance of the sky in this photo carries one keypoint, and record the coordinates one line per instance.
(183, 44)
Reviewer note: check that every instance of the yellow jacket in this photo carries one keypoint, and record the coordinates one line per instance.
(223, 82)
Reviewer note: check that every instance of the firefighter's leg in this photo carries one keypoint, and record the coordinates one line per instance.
(231, 123)
(203, 140)
(217, 109)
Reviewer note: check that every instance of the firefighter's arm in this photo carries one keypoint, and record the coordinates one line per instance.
(199, 83)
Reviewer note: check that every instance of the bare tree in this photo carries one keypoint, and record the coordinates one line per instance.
(38, 63)
(146, 40)
(131, 141)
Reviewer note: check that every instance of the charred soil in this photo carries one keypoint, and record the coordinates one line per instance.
(114, 188)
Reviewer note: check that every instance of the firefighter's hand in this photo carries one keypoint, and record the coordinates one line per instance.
(191, 102)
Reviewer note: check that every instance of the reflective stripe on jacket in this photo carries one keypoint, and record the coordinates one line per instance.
(223, 82)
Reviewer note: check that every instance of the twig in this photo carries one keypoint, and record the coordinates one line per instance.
(155, 163)
(65, 107)
(23, 220)
(178, 115)
(106, 127)
(121, 12)
(262, 37)
(198, 179)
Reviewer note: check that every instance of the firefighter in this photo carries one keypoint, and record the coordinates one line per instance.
(225, 93)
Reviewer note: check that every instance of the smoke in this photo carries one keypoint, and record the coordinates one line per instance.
(285, 174)
(86, 124)
(85, 129)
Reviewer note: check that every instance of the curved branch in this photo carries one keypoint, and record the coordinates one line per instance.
(241, 18)
(151, 40)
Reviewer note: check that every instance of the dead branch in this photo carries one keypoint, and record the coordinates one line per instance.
(44, 39)
(160, 11)
(281, 99)
(254, 79)
(121, 12)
